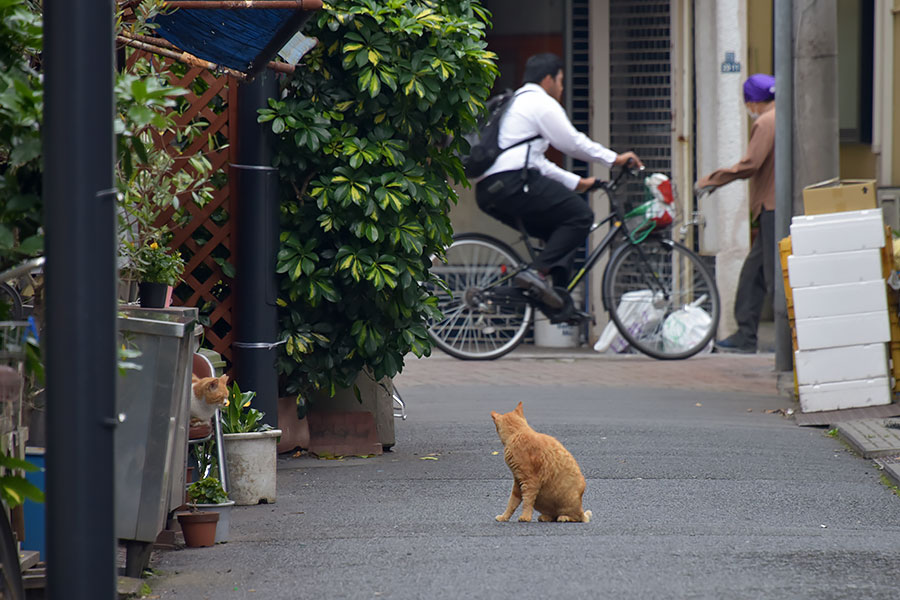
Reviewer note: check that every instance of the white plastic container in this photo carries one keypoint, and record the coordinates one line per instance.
(845, 363)
(840, 299)
(837, 232)
(845, 394)
(558, 335)
(843, 330)
(834, 268)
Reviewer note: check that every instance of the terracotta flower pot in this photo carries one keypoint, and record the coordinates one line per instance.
(199, 528)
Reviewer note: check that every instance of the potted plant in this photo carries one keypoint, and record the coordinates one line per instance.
(250, 450)
(158, 268)
(207, 494)
(198, 527)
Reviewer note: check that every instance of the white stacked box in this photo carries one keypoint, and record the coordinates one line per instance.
(841, 312)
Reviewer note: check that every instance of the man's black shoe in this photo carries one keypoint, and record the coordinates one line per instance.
(735, 343)
(531, 280)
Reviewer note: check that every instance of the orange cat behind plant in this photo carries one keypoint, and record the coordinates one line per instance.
(207, 394)
(546, 477)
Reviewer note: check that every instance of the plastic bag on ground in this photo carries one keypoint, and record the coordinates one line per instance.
(686, 327)
(638, 312)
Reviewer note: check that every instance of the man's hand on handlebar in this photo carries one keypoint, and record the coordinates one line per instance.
(585, 184)
(629, 160)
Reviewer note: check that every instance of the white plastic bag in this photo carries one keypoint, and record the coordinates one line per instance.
(639, 313)
(685, 327)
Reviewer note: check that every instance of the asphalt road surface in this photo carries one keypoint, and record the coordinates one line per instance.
(696, 493)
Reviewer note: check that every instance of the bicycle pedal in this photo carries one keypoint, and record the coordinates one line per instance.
(572, 318)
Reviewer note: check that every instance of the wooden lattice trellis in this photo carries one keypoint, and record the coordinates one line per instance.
(204, 238)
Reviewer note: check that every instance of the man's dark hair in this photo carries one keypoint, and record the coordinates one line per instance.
(540, 65)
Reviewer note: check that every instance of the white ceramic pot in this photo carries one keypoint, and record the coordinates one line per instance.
(251, 460)
(224, 525)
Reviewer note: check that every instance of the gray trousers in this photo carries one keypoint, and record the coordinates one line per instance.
(757, 278)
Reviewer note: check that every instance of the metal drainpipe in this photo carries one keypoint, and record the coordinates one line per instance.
(256, 246)
(80, 331)
(784, 169)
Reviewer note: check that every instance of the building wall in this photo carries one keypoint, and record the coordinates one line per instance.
(520, 28)
(722, 132)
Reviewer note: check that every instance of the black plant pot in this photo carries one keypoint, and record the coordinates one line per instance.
(153, 295)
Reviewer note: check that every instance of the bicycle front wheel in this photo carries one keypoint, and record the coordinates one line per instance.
(473, 327)
(662, 298)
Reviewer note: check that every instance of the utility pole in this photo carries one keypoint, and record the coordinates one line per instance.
(79, 220)
(255, 181)
(816, 134)
(784, 170)
(807, 131)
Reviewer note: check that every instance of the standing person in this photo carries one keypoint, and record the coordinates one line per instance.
(758, 165)
(523, 184)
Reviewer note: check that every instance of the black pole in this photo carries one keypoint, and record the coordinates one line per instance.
(784, 170)
(79, 220)
(256, 246)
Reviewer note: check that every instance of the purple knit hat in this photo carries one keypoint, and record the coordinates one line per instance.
(759, 88)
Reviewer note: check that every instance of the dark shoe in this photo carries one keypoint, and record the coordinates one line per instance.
(735, 343)
(531, 280)
(574, 317)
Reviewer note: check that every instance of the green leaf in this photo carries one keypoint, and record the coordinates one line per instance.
(7, 239)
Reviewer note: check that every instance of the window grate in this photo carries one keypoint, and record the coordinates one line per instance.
(640, 86)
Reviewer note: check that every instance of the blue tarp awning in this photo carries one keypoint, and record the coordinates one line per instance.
(241, 39)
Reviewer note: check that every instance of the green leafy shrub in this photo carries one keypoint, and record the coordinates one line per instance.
(206, 491)
(369, 135)
(21, 107)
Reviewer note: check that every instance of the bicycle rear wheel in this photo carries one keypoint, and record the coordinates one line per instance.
(474, 327)
(12, 308)
(662, 298)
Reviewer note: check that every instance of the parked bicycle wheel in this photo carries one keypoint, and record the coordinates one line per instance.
(11, 302)
(475, 326)
(662, 298)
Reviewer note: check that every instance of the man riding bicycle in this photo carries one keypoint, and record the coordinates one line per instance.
(523, 184)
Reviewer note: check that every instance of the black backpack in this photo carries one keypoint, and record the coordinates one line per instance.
(483, 141)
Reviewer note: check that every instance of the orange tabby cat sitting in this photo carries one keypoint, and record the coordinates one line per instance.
(546, 477)
(207, 394)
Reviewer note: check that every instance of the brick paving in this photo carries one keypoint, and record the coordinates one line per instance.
(530, 366)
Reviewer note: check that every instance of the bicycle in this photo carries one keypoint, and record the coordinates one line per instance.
(650, 284)
(18, 286)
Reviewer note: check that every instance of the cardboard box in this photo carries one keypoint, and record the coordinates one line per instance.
(837, 195)
(845, 394)
(837, 232)
(846, 363)
(831, 269)
(840, 299)
(843, 330)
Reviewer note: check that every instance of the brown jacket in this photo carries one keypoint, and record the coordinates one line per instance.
(758, 165)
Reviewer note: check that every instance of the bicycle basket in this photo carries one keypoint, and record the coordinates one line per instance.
(658, 209)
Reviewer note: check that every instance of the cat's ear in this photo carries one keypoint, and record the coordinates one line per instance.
(224, 380)
(495, 415)
(194, 378)
(519, 409)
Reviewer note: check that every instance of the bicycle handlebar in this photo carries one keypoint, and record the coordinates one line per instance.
(613, 183)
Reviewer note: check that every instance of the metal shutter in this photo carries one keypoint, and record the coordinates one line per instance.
(640, 86)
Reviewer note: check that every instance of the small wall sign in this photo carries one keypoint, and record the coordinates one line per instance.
(729, 65)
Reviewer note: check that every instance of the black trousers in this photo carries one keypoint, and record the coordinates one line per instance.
(756, 279)
(548, 210)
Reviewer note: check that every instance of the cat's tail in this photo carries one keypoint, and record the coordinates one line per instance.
(587, 516)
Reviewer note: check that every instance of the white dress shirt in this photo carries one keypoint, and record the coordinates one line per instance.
(534, 112)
